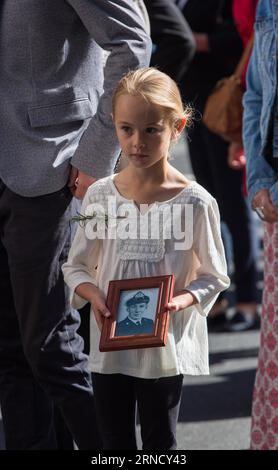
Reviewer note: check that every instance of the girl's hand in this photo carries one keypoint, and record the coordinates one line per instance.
(181, 301)
(92, 294)
(99, 307)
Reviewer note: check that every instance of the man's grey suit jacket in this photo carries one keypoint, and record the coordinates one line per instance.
(53, 109)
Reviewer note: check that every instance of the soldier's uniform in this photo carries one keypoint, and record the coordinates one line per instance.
(128, 327)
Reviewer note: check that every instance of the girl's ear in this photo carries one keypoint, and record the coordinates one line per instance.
(112, 116)
(179, 127)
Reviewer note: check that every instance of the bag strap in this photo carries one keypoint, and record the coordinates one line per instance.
(245, 57)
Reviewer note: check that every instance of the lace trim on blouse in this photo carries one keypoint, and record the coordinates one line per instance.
(152, 250)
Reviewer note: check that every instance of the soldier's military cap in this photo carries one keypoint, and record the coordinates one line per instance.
(138, 298)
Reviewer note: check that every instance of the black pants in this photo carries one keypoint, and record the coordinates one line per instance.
(158, 402)
(173, 44)
(41, 358)
(208, 154)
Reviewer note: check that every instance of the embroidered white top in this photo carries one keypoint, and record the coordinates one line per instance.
(200, 269)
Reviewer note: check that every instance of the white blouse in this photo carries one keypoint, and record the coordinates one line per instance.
(200, 269)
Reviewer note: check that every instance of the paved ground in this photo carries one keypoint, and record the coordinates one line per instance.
(215, 409)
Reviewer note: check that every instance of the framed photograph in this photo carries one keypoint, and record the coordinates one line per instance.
(138, 316)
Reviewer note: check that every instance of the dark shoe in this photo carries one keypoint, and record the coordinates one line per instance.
(242, 321)
(217, 322)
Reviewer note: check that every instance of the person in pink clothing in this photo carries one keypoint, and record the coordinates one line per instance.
(244, 12)
(260, 132)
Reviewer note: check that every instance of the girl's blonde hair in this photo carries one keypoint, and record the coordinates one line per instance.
(157, 89)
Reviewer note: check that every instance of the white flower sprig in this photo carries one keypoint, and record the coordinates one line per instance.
(82, 219)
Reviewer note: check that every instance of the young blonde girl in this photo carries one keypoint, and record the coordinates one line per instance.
(148, 115)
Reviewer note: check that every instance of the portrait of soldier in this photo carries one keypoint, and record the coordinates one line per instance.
(135, 323)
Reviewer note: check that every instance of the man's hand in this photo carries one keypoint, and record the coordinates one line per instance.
(79, 182)
(267, 211)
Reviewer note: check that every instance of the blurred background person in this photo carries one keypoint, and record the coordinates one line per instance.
(244, 12)
(260, 133)
(219, 48)
(173, 44)
(173, 41)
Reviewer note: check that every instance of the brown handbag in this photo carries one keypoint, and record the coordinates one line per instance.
(223, 110)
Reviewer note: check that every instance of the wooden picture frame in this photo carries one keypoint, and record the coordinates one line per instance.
(138, 317)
